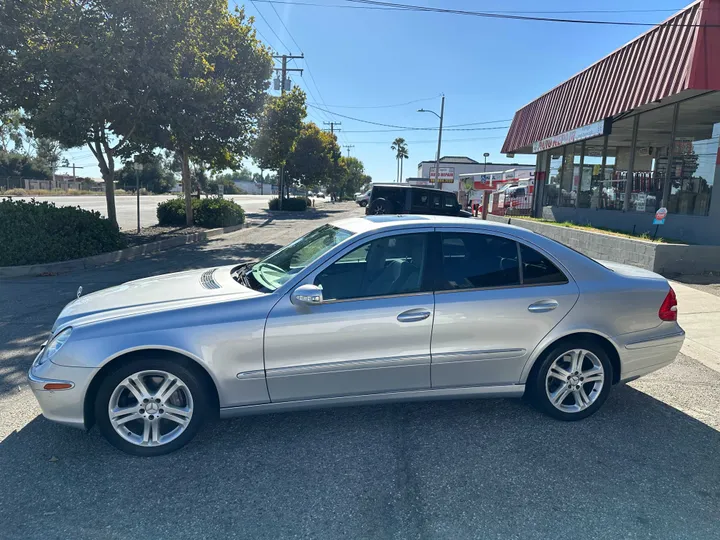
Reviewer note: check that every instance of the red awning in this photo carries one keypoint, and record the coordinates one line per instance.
(674, 56)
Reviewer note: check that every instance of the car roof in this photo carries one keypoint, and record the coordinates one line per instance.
(370, 223)
(408, 186)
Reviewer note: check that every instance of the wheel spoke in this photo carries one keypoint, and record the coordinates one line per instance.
(593, 375)
(155, 431)
(177, 414)
(124, 415)
(581, 398)
(578, 356)
(136, 385)
(558, 373)
(168, 388)
(146, 432)
(559, 395)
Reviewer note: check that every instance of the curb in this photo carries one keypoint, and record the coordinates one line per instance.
(32, 270)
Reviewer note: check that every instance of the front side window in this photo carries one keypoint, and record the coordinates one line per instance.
(273, 271)
(420, 199)
(385, 266)
(471, 261)
(538, 270)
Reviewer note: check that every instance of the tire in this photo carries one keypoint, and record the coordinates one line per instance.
(379, 207)
(562, 358)
(189, 397)
(362, 204)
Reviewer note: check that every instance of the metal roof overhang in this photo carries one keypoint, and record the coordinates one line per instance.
(672, 57)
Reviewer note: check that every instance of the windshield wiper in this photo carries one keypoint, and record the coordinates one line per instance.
(240, 273)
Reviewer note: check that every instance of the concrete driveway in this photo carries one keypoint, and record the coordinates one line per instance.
(645, 466)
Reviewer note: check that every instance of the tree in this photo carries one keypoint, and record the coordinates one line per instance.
(401, 153)
(311, 160)
(280, 128)
(11, 134)
(82, 71)
(48, 153)
(207, 109)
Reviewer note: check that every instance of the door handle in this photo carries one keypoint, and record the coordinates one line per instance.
(413, 315)
(543, 306)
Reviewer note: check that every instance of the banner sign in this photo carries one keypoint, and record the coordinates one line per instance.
(447, 175)
(596, 129)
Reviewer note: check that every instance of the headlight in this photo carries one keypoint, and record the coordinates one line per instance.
(54, 346)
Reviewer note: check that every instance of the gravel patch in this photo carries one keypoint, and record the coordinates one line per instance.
(151, 234)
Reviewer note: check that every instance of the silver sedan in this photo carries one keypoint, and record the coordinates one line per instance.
(361, 311)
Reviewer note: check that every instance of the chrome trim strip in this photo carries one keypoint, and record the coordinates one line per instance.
(40, 382)
(463, 356)
(510, 390)
(657, 341)
(370, 363)
(254, 374)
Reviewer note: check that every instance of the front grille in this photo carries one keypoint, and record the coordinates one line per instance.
(207, 280)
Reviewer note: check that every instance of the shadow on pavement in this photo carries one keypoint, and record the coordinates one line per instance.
(456, 469)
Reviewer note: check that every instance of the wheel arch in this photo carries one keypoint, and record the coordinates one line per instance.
(156, 351)
(602, 341)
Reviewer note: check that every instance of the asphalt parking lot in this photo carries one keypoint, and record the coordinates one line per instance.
(645, 466)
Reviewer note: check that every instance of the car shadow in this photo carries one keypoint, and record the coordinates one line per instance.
(455, 469)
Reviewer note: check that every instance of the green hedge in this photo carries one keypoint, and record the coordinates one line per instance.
(40, 232)
(209, 213)
(294, 204)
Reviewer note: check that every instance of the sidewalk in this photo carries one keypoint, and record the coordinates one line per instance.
(699, 315)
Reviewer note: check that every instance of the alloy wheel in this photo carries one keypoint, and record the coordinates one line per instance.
(150, 408)
(574, 381)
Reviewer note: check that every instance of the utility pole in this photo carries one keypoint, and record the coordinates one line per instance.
(283, 86)
(348, 146)
(332, 126)
(437, 158)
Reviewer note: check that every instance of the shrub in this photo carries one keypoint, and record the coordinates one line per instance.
(215, 212)
(294, 204)
(171, 212)
(40, 232)
(209, 213)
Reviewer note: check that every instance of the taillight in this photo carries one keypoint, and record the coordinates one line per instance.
(668, 309)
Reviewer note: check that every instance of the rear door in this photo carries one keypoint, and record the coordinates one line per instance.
(495, 299)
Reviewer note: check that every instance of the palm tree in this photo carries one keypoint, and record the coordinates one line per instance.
(401, 152)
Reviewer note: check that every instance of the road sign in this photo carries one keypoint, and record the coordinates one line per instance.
(660, 216)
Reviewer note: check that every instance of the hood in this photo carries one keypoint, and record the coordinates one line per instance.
(158, 293)
(631, 271)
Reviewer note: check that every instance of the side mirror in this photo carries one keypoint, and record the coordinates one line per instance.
(307, 295)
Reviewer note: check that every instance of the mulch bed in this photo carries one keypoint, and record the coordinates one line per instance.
(151, 234)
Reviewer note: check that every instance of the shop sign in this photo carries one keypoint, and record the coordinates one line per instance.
(447, 175)
(641, 202)
(660, 216)
(596, 129)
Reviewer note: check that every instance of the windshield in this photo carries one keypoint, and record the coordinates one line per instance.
(276, 269)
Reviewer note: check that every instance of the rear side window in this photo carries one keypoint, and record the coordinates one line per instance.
(471, 261)
(420, 199)
(538, 270)
(449, 201)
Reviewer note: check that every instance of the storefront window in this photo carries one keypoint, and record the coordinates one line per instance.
(552, 186)
(567, 194)
(591, 173)
(695, 156)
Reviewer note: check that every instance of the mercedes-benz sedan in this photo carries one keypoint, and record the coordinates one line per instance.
(361, 311)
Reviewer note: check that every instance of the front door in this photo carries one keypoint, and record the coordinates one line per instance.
(490, 315)
(370, 335)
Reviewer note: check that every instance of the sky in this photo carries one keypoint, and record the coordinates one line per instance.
(381, 65)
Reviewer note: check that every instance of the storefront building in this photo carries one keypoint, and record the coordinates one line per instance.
(634, 132)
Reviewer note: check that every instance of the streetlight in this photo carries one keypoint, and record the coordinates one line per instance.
(138, 169)
(437, 159)
(486, 155)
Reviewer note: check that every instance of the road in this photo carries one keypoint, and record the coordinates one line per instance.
(645, 466)
(126, 206)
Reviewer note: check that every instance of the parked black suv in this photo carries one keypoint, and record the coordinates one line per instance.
(409, 199)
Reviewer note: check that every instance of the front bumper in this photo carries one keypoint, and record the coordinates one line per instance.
(62, 406)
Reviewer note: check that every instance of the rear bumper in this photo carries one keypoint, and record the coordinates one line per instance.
(646, 354)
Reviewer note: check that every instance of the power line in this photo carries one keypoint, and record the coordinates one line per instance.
(270, 27)
(434, 141)
(403, 128)
(491, 15)
(382, 106)
(383, 8)
(285, 27)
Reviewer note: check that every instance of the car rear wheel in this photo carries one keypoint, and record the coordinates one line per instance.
(150, 407)
(573, 380)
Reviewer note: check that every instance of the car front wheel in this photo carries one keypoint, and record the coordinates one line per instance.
(150, 407)
(573, 380)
